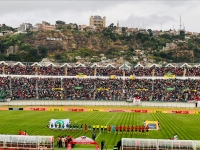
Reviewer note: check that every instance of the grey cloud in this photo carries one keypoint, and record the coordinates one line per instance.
(54, 6)
(15, 12)
(147, 21)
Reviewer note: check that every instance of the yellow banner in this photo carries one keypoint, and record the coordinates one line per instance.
(56, 109)
(57, 89)
(95, 109)
(112, 76)
(102, 89)
(169, 76)
(141, 89)
(81, 76)
(164, 111)
(132, 77)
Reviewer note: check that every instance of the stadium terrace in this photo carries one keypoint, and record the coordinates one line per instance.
(19, 68)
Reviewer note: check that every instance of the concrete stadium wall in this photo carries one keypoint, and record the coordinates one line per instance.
(96, 103)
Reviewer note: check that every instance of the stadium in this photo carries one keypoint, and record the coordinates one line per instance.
(60, 106)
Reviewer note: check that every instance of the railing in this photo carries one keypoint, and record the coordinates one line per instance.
(97, 103)
(90, 64)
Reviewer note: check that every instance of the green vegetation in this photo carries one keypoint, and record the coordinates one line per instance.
(33, 46)
(35, 122)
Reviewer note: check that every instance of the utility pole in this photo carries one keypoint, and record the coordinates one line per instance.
(180, 23)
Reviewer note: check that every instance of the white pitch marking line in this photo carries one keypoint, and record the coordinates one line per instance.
(106, 124)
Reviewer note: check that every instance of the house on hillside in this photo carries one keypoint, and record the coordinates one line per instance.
(170, 46)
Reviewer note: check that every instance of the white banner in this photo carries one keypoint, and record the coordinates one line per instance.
(136, 100)
(198, 104)
(59, 123)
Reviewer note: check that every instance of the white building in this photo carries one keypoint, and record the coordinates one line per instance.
(24, 26)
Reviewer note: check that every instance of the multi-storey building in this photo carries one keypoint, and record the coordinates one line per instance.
(24, 26)
(97, 21)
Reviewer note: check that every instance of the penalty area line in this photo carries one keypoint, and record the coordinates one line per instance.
(107, 124)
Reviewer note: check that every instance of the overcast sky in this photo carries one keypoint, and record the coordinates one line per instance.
(132, 13)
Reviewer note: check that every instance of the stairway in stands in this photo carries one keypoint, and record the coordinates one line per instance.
(184, 72)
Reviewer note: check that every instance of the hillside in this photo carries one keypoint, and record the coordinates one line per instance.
(91, 45)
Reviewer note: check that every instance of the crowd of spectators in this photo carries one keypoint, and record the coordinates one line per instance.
(99, 71)
(20, 70)
(22, 88)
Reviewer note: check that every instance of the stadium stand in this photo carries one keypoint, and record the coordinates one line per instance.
(72, 88)
(67, 82)
(51, 69)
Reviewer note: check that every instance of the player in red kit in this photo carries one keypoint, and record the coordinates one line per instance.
(124, 129)
(136, 128)
(132, 129)
(147, 130)
(143, 129)
(128, 129)
(117, 128)
(121, 128)
(109, 128)
(140, 128)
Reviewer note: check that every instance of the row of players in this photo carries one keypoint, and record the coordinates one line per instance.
(103, 128)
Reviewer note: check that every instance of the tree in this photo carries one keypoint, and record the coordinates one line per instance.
(33, 52)
(58, 57)
(13, 57)
(25, 47)
(182, 35)
(111, 25)
(69, 27)
(42, 50)
(123, 30)
(107, 32)
(76, 26)
(59, 22)
(166, 36)
(150, 32)
(131, 49)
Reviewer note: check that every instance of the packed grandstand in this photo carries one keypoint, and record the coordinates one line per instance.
(67, 82)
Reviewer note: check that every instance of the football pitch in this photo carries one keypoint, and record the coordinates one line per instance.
(187, 126)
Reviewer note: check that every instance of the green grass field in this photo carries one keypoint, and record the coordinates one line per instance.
(34, 122)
